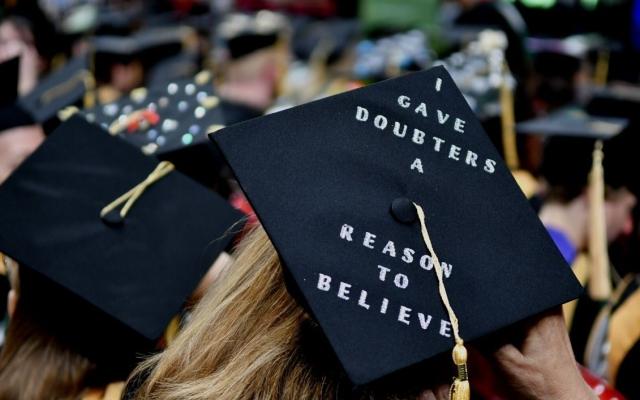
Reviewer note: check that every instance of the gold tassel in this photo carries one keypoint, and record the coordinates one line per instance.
(507, 118)
(3, 265)
(599, 280)
(461, 389)
(89, 99)
(90, 84)
(601, 74)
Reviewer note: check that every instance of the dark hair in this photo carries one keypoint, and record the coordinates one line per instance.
(567, 161)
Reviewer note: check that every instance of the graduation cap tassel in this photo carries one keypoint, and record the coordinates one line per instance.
(3, 265)
(89, 100)
(460, 389)
(507, 118)
(129, 198)
(602, 68)
(599, 283)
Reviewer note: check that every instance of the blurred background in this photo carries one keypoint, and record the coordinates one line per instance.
(547, 79)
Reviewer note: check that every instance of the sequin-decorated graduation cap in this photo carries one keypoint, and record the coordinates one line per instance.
(169, 120)
(334, 183)
(120, 239)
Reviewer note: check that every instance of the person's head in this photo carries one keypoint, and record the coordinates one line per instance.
(565, 167)
(15, 30)
(619, 205)
(127, 76)
(16, 144)
(17, 39)
(35, 364)
(249, 339)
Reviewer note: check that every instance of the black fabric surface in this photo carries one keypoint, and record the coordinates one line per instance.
(311, 170)
(137, 275)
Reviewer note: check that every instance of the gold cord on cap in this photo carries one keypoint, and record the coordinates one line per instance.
(64, 88)
(67, 113)
(129, 198)
(460, 390)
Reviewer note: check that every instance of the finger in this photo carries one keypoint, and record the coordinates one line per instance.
(427, 395)
(442, 392)
(549, 331)
(508, 352)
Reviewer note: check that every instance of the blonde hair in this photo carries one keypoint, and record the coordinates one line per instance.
(34, 364)
(247, 339)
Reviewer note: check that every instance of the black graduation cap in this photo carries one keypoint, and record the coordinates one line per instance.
(115, 281)
(561, 57)
(235, 112)
(243, 34)
(78, 18)
(146, 40)
(333, 36)
(149, 46)
(615, 100)
(64, 87)
(10, 72)
(574, 121)
(120, 19)
(181, 66)
(11, 114)
(170, 120)
(333, 183)
(569, 137)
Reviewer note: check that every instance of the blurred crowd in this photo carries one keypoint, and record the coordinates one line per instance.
(555, 84)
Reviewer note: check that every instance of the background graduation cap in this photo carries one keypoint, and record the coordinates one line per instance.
(62, 88)
(585, 154)
(242, 34)
(332, 37)
(565, 141)
(171, 120)
(11, 114)
(575, 122)
(615, 100)
(558, 62)
(567, 53)
(341, 173)
(100, 18)
(10, 71)
(108, 288)
(569, 135)
(152, 47)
